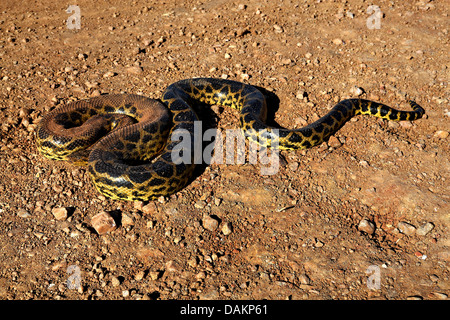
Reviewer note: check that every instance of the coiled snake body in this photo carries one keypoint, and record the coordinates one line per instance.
(123, 164)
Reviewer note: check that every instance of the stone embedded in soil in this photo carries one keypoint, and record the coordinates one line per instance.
(115, 281)
(227, 228)
(103, 223)
(406, 228)
(60, 213)
(366, 226)
(334, 142)
(23, 213)
(154, 275)
(172, 266)
(356, 91)
(210, 223)
(425, 228)
(441, 134)
(150, 209)
(134, 70)
(127, 220)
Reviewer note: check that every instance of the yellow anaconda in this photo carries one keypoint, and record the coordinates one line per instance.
(134, 160)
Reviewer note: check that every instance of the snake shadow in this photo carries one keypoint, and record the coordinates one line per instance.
(210, 121)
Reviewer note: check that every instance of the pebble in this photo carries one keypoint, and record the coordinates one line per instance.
(139, 276)
(210, 223)
(414, 298)
(357, 91)
(109, 74)
(406, 228)
(439, 295)
(278, 29)
(127, 220)
(134, 70)
(150, 209)
(154, 275)
(200, 204)
(366, 226)
(304, 279)
(193, 262)
(103, 223)
(334, 142)
(293, 166)
(425, 228)
(338, 41)
(301, 94)
(60, 213)
(23, 213)
(171, 266)
(227, 228)
(441, 134)
(115, 281)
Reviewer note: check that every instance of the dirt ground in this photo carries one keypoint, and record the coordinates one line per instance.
(363, 216)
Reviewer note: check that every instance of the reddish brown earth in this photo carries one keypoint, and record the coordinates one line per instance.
(297, 234)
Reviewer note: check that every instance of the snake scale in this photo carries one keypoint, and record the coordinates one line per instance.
(126, 140)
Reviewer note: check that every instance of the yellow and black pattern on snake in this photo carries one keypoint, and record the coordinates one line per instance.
(122, 164)
(253, 111)
(131, 119)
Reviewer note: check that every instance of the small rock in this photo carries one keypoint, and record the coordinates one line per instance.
(293, 166)
(356, 91)
(210, 223)
(127, 220)
(139, 276)
(338, 41)
(334, 142)
(148, 42)
(60, 213)
(278, 29)
(439, 295)
(134, 70)
(150, 209)
(154, 275)
(319, 244)
(115, 281)
(406, 228)
(227, 228)
(414, 298)
(366, 226)
(301, 94)
(441, 134)
(200, 204)
(201, 275)
(109, 74)
(304, 279)
(193, 262)
(103, 223)
(425, 228)
(23, 213)
(171, 266)
(434, 278)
